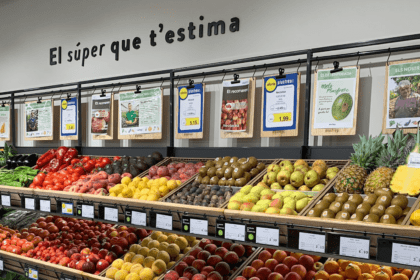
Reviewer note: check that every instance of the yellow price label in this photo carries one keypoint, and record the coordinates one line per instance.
(70, 126)
(192, 121)
(282, 117)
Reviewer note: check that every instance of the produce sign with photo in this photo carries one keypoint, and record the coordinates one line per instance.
(335, 102)
(235, 106)
(68, 115)
(402, 95)
(5, 122)
(101, 113)
(140, 113)
(190, 109)
(39, 120)
(279, 103)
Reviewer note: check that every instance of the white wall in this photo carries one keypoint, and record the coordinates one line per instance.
(28, 29)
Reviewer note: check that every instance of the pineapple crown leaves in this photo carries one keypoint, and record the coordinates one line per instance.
(393, 154)
(366, 151)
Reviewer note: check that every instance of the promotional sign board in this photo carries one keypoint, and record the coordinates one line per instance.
(39, 120)
(68, 119)
(190, 112)
(5, 123)
(102, 109)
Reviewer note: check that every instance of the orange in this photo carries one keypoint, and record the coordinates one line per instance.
(364, 267)
(353, 271)
(322, 275)
(331, 267)
(399, 276)
(381, 275)
(397, 269)
(343, 264)
(407, 272)
(387, 270)
(342, 273)
(336, 276)
(365, 276)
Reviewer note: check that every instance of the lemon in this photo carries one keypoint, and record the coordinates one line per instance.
(172, 184)
(147, 274)
(163, 190)
(145, 179)
(132, 185)
(120, 195)
(152, 197)
(117, 263)
(163, 181)
(112, 194)
(110, 273)
(121, 274)
(127, 192)
(117, 189)
(132, 276)
(144, 191)
(415, 218)
(142, 185)
(136, 180)
(126, 180)
(149, 183)
(127, 266)
(178, 182)
(143, 197)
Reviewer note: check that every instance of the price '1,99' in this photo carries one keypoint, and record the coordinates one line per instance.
(282, 117)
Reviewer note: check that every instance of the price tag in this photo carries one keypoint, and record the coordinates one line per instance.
(88, 211)
(32, 273)
(29, 203)
(70, 126)
(414, 160)
(164, 221)
(5, 200)
(195, 225)
(111, 214)
(67, 208)
(45, 205)
(267, 236)
(228, 230)
(314, 242)
(192, 121)
(354, 247)
(138, 218)
(405, 254)
(282, 117)
(1, 264)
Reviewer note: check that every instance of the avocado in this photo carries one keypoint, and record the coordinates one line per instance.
(141, 166)
(149, 161)
(157, 156)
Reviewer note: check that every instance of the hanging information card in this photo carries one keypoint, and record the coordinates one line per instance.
(39, 120)
(280, 106)
(68, 119)
(5, 123)
(402, 96)
(190, 112)
(102, 112)
(335, 102)
(140, 114)
(237, 116)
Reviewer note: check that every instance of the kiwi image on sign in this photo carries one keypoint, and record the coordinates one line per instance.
(342, 106)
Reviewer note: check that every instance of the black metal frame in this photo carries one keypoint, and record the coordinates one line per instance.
(305, 151)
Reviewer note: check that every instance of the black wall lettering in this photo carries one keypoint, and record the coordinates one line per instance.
(77, 55)
(85, 55)
(125, 47)
(216, 25)
(136, 43)
(70, 56)
(94, 50)
(200, 28)
(181, 36)
(115, 49)
(52, 56)
(59, 55)
(168, 37)
(234, 26)
(152, 38)
(100, 51)
(191, 28)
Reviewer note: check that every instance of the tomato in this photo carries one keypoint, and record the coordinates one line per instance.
(85, 159)
(32, 186)
(38, 180)
(47, 182)
(89, 165)
(79, 170)
(67, 182)
(74, 161)
(116, 158)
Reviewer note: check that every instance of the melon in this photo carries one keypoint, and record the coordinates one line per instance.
(342, 106)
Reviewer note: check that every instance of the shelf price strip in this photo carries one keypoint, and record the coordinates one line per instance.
(45, 205)
(5, 200)
(161, 220)
(31, 272)
(29, 203)
(137, 218)
(398, 252)
(85, 210)
(195, 226)
(348, 246)
(65, 207)
(306, 240)
(230, 230)
(263, 235)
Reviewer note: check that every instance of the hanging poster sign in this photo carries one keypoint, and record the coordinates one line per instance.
(280, 106)
(68, 119)
(237, 116)
(102, 115)
(335, 102)
(39, 120)
(190, 112)
(5, 123)
(140, 114)
(402, 96)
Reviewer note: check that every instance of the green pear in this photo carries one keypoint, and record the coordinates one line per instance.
(283, 177)
(290, 204)
(277, 195)
(267, 191)
(276, 169)
(333, 169)
(301, 203)
(265, 178)
(286, 194)
(276, 186)
(302, 168)
(299, 195)
(304, 188)
(289, 187)
(246, 189)
(311, 178)
(286, 211)
(271, 177)
(271, 167)
(284, 163)
(318, 187)
(297, 179)
(258, 208)
(331, 175)
(288, 199)
(289, 168)
(251, 197)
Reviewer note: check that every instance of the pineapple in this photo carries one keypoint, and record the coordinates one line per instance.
(388, 160)
(352, 178)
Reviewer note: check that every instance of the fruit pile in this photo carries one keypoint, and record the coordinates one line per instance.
(229, 171)
(278, 265)
(54, 160)
(343, 269)
(300, 176)
(152, 257)
(202, 195)
(261, 198)
(211, 260)
(98, 183)
(144, 189)
(81, 244)
(175, 171)
(131, 165)
(379, 207)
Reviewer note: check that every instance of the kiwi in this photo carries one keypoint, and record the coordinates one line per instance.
(252, 161)
(237, 173)
(242, 160)
(400, 220)
(377, 209)
(235, 165)
(228, 172)
(210, 163)
(214, 180)
(357, 217)
(327, 213)
(400, 200)
(314, 213)
(370, 198)
(247, 176)
(222, 182)
(394, 210)
(254, 172)
(233, 159)
(220, 172)
(226, 164)
(198, 179)
(218, 159)
(322, 205)
(230, 182)
(342, 197)
(218, 164)
(343, 215)
(355, 198)
(371, 218)
(384, 191)
(336, 207)
(205, 180)
(211, 172)
(388, 219)
(203, 171)
(384, 200)
(406, 210)
(330, 197)
(260, 166)
(363, 208)
(246, 166)
(240, 182)
(226, 158)
(350, 207)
